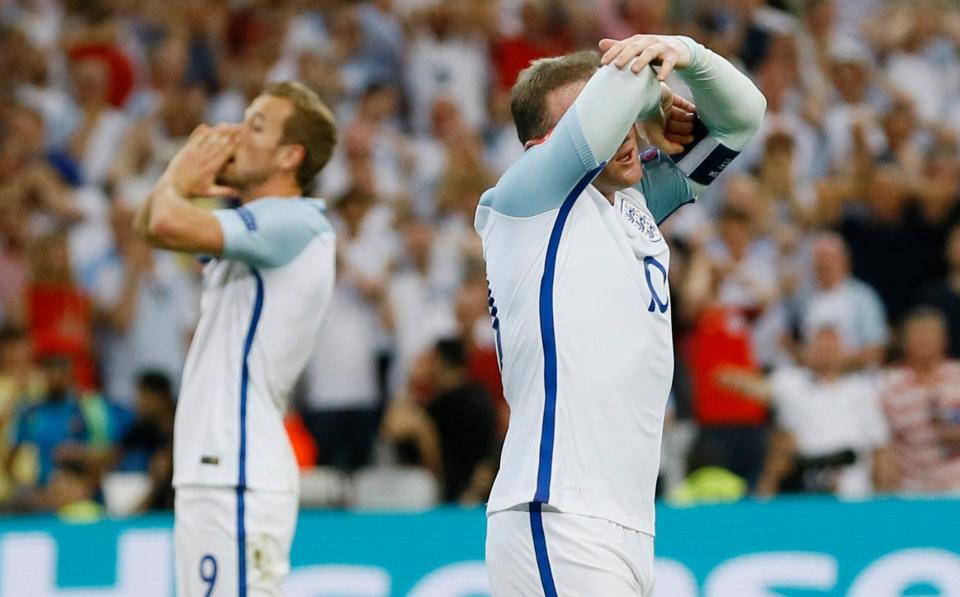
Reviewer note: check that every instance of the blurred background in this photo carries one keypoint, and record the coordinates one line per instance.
(815, 286)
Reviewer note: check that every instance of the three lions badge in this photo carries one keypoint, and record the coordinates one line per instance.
(641, 220)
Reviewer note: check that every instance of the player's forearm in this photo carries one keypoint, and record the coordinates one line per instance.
(728, 103)
(611, 102)
(161, 211)
(170, 221)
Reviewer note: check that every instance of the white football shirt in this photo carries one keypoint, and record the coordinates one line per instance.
(580, 298)
(261, 307)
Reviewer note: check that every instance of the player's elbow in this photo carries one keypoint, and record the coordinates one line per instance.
(758, 109)
(749, 116)
(740, 126)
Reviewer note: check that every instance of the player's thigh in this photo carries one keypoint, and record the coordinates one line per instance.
(510, 557)
(205, 542)
(592, 556)
(271, 519)
(639, 548)
(578, 556)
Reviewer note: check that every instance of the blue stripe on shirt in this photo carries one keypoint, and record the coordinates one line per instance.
(242, 464)
(549, 340)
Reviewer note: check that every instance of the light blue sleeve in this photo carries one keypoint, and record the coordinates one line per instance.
(271, 232)
(664, 186)
(728, 102)
(871, 316)
(587, 135)
(729, 111)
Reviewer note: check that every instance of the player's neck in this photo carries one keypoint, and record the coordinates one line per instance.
(610, 193)
(273, 187)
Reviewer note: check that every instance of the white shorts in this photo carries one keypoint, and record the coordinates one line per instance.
(231, 544)
(552, 554)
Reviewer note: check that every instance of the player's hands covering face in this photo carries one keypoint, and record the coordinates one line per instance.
(670, 130)
(664, 50)
(193, 171)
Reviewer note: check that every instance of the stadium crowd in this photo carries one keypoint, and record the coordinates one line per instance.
(815, 288)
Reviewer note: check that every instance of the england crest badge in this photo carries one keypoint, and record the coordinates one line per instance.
(640, 220)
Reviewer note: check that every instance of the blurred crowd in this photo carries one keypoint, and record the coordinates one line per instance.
(815, 286)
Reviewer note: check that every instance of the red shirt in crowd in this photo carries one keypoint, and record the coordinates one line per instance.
(720, 340)
(510, 55)
(484, 369)
(60, 323)
(119, 66)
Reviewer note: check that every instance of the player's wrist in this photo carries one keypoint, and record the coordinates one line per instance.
(690, 51)
(185, 189)
(170, 183)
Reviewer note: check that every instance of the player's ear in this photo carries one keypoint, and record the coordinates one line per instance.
(291, 156)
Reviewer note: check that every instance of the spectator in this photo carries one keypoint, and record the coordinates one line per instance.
(55, 422)
(161, 493)
(906, 141)
(145, 309)
(829, 422)
(385, 42)
(343, 397)
(777, 81)
(921, 399)
(914, 66)
(850, 67)
(419, 301)
(94, 144)
(536, 39)
(390, 156)
(446, 57)
(166, 67)
(746, 266)
(30, 193)
(21, 385)
(359, 66)
(152, 428)
(70, 494)
(846, 304)
(732, 425)
(451, 421)
(787, 199)
(105, 423)
(59, 314)
(876, 238)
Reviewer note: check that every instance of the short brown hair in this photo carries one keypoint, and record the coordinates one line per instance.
(528, 101)
(311, 126)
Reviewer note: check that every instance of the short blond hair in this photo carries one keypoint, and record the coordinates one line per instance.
(311, 125)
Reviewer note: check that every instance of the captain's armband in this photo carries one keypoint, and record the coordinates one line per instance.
(705, 158)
